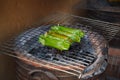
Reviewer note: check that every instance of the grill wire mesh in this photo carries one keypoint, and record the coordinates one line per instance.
(104, 28)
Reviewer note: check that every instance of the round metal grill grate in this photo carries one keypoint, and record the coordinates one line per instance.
(78, 60)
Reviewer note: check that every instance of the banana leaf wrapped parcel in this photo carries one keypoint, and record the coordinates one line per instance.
(61, 37)
(54, 42)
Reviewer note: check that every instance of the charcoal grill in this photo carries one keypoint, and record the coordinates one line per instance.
(84, 60)
(76, 61)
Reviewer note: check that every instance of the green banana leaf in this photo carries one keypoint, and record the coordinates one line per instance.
(74, 34)
(69, 30)
(54, 42)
